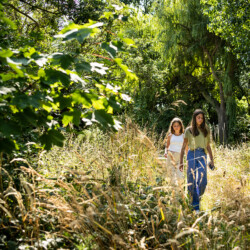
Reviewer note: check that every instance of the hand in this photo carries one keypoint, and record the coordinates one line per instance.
(181, 167)
(211, 165)
(166, 155)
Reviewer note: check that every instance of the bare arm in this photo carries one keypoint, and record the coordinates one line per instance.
(167, 145)
(209, 150)
(186, 149)
(184, 145)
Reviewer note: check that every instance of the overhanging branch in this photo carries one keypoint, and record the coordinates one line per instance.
(183, 26)
(23, 13)
(39, 8)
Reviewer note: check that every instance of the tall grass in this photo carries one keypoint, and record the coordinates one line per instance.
(107, 191)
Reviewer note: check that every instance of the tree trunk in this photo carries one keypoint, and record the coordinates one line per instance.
(229, 83)
(222, 117)
(222, 123)
(221, 110)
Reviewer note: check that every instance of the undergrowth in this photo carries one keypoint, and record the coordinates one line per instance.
(107, 191)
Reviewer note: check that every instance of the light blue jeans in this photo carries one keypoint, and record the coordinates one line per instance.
(196, 175)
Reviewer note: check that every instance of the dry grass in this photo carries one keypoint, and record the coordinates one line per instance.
(230, 181)
(106, 192)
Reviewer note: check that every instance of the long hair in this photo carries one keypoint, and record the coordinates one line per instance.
(203, 127)
(171, 129)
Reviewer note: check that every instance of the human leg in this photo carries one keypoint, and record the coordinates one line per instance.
(165, 174)
(202, 173)
(179, 176)
(191, 177)
(196, 176)
(171, 162)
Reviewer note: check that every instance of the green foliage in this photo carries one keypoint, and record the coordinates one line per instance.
(243, 121)
(166, 80)
(230, 20)
(102, 189)
(81, 11)
(149, 92)
(42, 92)
(199, 61)
(144, 5)
(34, 24)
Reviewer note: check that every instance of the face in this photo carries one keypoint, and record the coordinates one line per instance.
(199, 119)
(176, 127)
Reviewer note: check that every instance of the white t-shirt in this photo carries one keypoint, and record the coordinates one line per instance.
(176, 142)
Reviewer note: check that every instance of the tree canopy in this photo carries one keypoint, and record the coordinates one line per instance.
(43, 93)
(230, 21)
(68, 64)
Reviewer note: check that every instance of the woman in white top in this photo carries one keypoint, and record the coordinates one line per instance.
(174, 138)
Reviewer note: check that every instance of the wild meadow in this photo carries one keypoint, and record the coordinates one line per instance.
(107, 191)
(71, 71)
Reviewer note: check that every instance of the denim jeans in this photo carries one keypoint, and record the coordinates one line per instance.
(196, 175)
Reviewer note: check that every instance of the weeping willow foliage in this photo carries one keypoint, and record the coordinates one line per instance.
(182, 29)
(192, 50)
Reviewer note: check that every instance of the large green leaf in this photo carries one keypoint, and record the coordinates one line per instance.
(27, 117)
(103, 118)
(81, 29)
(8, 128)
(80, 34)
(128, 41)
(125, 68)
(6, 53)
(61, 59)
(20, 61)
(119, 45)
(22, 101)
(107, 15)
(71, 34)
(15, 66)
(7, 145)
(72, 26)
(83, 66)
(114, 104)
(100, 103)
(8, 76)
(40, 60)
(83, 33)
(110, 48)
(64, 102)
(73, 116)
(52, 137)
(86, 99)
(53, 76)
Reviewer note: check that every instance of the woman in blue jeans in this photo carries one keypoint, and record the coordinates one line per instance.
(197, 136)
